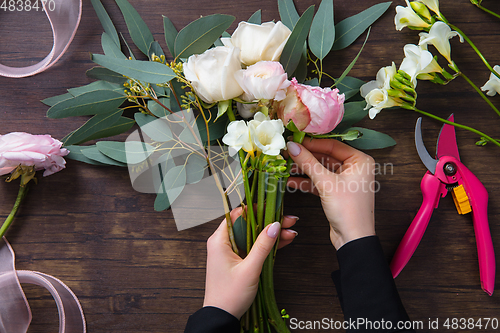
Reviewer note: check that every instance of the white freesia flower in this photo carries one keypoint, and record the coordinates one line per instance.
(375, 92)
(418, 61)
(431, 4)
(378, 99)
(406, 17)
(267, 135)
(439, 36)
(259, 42)
(493, 84)
(238, 137)
(212, 74)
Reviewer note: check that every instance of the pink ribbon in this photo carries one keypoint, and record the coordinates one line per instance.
(15, 313)
(64, 17)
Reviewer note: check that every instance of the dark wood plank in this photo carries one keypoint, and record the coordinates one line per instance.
(131, 268)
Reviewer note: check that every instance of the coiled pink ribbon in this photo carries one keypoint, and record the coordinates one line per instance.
(64, 17)
(15, 313)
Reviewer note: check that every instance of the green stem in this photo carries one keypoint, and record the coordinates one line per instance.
(475, 48)
(261, 195)
(473, 130)
(267, 271)
(20, 196)
(479, 92)
(487, 10)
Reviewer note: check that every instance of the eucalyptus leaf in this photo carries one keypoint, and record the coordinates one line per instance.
(90, 103)
(75, 153)
(51, 101)
(353, 62)
(350, 135)
(256, 17)
(139, 31)
(121, 126)
(187, 136)
(159, 91)
(130, 53)
(94, 154)
(130, 152)
(322, 33)
(353, 112)
(170, 34)
(94, 125)
(199, 35)
(240, 232)
(314, 82)
(301, 71)
(288, 13)
(101, 73)
(161, 202)
(147, 71)
(218, 42)
(96, 85)
(195, 168)
(175, 95)
(290, 56)
(110, 48)
(217, 129)
(371, 139)
(347, 31)
(106, 22)
(173, 183)
(155, 49)
(158, 129)
(350, 83)
(157, 109)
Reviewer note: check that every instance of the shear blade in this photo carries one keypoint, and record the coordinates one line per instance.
(429, 162)
(447, 141)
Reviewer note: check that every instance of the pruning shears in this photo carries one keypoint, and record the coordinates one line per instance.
(447, 174)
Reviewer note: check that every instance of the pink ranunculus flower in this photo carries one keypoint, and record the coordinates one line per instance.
(41, 151)
(313, 110)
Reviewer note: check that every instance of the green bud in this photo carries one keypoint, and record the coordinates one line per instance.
(404, 74)
(447, 75)
(403, 80)
(396, 93)
(482, 142)
(421, 10)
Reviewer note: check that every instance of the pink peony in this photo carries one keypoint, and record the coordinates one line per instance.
(42, 151)
(313, 109)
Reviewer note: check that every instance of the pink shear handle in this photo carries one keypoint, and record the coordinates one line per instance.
(478, 197)
(431, 189)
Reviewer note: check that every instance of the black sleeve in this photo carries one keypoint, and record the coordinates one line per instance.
(366, 289)
(210, 319)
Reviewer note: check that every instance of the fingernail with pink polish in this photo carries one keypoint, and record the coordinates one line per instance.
(293, 232)
(293, 148)
(293, 217)
(273, 229)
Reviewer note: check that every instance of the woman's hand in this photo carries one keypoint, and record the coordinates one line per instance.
(232, 282)
(345, 182)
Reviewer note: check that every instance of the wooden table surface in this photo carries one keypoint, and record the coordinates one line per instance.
(134, 272)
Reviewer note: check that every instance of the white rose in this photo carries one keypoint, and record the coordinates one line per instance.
(259, 42)
(212, 74)
(406, 17)
(439, 36)
(493, 84)
(238, 137)
(418, 61)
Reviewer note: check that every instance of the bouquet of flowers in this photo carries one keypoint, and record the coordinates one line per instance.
(248, 90)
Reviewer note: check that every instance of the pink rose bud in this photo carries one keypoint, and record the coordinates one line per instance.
(313, 110)
(41, 151)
